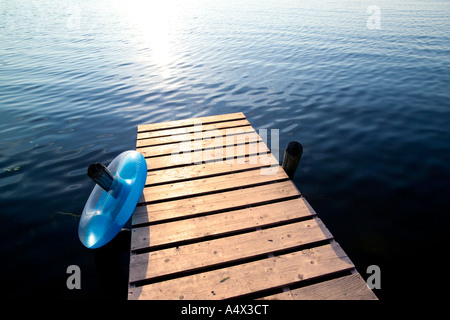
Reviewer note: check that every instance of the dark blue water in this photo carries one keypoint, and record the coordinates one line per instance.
(370, 106)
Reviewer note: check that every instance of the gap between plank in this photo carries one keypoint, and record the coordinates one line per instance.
(227, 264)
(176, 244)
(192, 124)
(212, 175)
(205, 193)
(192, 132)
(206, 213)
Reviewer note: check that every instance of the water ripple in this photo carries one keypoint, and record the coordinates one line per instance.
(371, 107)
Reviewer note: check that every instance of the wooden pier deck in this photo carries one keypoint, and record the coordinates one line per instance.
(219, 218)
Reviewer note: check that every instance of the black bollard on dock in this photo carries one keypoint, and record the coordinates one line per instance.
(291, 158)
(101, 175)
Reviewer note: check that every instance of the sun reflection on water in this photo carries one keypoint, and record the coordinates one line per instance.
(151, 23)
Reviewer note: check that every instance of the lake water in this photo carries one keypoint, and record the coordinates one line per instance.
(367, 95)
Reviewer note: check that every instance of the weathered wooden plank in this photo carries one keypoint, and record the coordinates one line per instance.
(222, 134)
(203, 170)
(214, 202)
(212, 184)
(197, 127)
(218, 224)
(349, 287)
(191, 122)
(250, 277)
(285, 295)
(233, 248)
(197, 145)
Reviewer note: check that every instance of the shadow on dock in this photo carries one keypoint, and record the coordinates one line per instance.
(111, 263)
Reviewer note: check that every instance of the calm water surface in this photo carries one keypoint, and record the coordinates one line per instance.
(370, 106)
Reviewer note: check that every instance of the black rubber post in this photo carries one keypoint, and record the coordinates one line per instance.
(101, 175)
(291, 158)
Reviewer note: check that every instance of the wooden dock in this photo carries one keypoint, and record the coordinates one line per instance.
(219, 218)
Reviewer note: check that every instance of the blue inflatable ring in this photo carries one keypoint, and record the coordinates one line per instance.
(106, 212)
